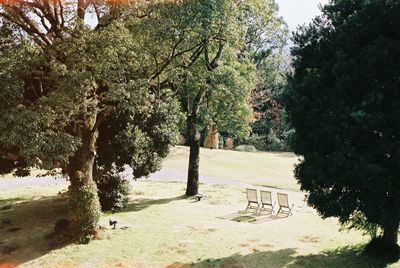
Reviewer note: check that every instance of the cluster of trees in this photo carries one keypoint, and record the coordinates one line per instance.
(90, 100)
(89, 87)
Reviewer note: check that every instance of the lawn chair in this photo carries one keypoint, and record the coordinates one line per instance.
(252, 199)
(284, 204)
(266, 201)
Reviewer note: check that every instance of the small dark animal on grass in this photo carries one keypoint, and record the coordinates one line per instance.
(113, 223)
(198, 197)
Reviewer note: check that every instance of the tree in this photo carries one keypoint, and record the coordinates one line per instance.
(65, 87)
(266, 41)
(215, 97)
(215, 81)
(344, 101)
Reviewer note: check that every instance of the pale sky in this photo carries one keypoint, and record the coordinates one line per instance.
(298, 12)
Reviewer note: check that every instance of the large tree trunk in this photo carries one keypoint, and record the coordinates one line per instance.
(194, 142)
(84, 206)
(390, 233)
(194, 158)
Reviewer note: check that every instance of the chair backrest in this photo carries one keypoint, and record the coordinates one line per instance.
(283, 200)
(266, 197)
(252, 195)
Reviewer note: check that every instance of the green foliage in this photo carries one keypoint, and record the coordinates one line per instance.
(254, 140)
(140, 140)
(113, 190)
(343, 101)
(84, 208)
(266, 39)
(358, 221)
(226, 103)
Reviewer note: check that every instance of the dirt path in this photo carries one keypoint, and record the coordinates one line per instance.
(164, 175)
(160, 176)
(7, 183)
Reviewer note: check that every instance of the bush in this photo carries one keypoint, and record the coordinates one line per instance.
(279, 144)
(270, 142)
(221, 142)
(113, 190)
(246, 148)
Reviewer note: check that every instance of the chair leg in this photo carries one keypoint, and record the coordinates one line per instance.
(260, 208)
(273, 206)
(290, 210)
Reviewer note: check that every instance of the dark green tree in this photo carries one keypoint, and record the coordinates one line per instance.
(344, 103)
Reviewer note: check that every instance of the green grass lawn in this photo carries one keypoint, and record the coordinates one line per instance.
(161, 228)
(164, 229)
(273, 169)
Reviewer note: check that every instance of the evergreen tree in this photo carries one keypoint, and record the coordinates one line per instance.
(344, 103)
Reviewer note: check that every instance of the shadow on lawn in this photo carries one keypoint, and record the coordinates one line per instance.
(10, 201)
(341, 257)
(24, 225)
(142, 203)
(284, 154)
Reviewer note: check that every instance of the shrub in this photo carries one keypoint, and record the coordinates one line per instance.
(221, 142)
(246, 148)
(113, 190)
(258, 141)
(270, 142)
(279, 143)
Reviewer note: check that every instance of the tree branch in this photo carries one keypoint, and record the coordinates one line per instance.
(165, 65)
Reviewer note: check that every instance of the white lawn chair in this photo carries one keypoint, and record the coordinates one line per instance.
(252, 199)
(266, 202)
(283, 203)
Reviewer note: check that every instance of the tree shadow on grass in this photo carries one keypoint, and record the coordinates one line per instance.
(284, 154)
(341, 257)
(143, 203)
(24, 225)
(279, 258)
(350, 256)
(10, 201)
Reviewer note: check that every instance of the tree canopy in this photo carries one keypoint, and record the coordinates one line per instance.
(344, 103)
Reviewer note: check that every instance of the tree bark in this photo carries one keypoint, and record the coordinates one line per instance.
(84, 206)
(194, 142)
(390, 233)
(194, 158)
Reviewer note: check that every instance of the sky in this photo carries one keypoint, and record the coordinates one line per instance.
(298, 12)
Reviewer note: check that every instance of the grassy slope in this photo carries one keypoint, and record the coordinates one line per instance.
(261, 168)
